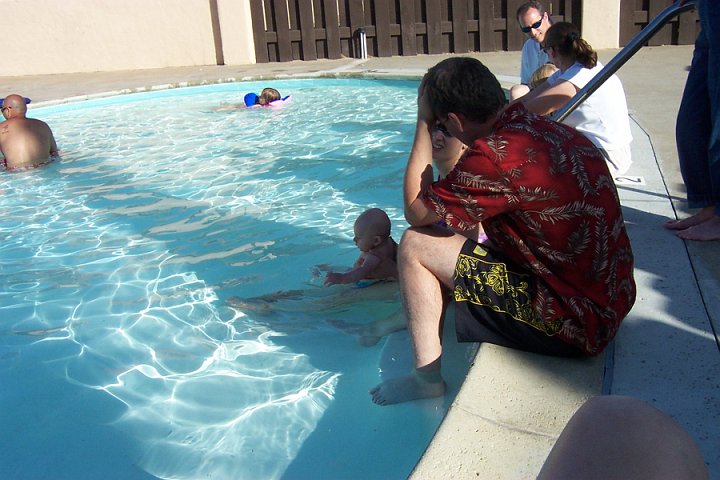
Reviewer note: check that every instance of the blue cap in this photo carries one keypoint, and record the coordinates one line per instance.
(251, 99)
(27, 100)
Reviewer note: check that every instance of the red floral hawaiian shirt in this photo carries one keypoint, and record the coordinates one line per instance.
(547, 202)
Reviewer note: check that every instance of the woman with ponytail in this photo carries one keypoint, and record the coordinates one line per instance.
(603, 116)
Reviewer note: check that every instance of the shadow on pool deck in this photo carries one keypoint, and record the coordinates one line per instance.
(513, 405)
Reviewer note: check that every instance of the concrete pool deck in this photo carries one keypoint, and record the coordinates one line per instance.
(513, 405)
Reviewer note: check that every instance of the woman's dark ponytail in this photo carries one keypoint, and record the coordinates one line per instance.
(565, 38)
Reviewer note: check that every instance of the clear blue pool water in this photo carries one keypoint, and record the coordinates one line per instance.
(120, 355)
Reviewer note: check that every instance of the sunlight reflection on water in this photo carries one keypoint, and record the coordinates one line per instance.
(117, 262)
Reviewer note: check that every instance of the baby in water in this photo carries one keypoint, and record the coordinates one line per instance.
(378, 251)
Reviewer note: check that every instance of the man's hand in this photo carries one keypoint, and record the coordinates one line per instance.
(425, 113)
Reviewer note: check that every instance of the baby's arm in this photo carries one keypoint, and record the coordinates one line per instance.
(363, 268)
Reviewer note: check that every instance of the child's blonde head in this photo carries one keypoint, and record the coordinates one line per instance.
(540, 75)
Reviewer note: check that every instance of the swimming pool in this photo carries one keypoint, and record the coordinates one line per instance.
(121, 356)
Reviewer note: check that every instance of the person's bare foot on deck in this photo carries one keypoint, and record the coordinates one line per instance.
(414, 386)
(700, 217)
(705, 231)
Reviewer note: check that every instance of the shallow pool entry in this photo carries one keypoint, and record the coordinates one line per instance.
(121, 355)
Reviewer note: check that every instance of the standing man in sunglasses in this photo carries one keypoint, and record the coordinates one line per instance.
(24, 142)
(534, 21)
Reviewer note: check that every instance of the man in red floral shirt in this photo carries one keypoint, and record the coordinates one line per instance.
(556, 274)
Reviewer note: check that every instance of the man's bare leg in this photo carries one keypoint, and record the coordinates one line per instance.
(426, 263)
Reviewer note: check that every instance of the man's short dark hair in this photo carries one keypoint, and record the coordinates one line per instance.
(527, 6)
(464, 85)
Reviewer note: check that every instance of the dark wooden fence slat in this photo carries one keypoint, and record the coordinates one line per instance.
(382, 28)
(515, 38)
(357, 20)
(408, 41)
(433, 23)
(687, 28)
(259, 33)
(460, 34)
(486, 33)
(307, 30)
(664, 36)
(319, 29)
(332, 28)
(280, 15)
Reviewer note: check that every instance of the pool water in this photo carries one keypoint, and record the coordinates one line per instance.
(121, 356)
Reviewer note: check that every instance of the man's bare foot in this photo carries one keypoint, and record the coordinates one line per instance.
(411, 387)
(703, 215)
(705, 231)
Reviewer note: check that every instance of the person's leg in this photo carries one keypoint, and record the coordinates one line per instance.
(692, 134)
(698, 135)
(622, 437)
(426, 263)
(517, 91)
(708, 224)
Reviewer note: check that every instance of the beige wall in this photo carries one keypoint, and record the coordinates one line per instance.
(601, 23)
(236, 28)
(64, 36)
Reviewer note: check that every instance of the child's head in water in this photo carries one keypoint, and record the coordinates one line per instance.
(371, 228)
(268, 95)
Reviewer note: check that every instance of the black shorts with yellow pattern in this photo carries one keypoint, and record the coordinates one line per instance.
(493, 303)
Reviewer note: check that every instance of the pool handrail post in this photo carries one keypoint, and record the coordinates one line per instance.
(622, 57)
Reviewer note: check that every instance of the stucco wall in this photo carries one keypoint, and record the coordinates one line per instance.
(236, 27)
(601, 23)
(64, 36)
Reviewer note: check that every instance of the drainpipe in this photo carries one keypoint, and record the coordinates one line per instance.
(362, 43)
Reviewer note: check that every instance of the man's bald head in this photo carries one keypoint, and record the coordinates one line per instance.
(15, 102)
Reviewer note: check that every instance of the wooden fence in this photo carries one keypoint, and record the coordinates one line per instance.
(635, 14)
(286, 30)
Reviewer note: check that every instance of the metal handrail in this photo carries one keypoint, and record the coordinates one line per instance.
(623, 56)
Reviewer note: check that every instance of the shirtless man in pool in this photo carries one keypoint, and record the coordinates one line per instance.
(24, 142)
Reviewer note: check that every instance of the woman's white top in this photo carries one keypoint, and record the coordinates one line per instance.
(603, 116)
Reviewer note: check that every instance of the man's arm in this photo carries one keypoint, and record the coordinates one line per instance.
(419, 171)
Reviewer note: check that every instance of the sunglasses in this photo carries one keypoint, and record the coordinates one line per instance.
(439, 127)
(534, 26)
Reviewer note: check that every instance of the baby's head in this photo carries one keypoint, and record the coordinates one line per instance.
(372, 228)
(540, 75)
(268, 95)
